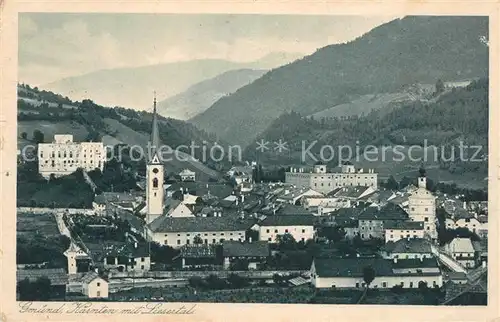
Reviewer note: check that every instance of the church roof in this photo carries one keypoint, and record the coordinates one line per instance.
(155, 136)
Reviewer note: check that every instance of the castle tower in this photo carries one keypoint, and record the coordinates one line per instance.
(154, 174)
(422, 206)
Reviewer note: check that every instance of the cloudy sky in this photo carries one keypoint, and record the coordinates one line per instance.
(54, 45)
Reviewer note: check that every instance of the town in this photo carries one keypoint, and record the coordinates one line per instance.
(322, 235)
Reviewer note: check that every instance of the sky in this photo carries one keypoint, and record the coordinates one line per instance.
(53, 46)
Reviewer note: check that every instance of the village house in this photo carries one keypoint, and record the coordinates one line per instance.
(57, 276)
(177, 209)
(462, 250)
(199, 255)
(413, 248)
(347, 273)
(294, 196)
(187, 175)
(301, 227)
(177, 232)
(372, 220)
(122, 256)
(396, 230)
(94, 286)
(251, 254)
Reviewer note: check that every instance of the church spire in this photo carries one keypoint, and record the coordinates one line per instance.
(155, 137)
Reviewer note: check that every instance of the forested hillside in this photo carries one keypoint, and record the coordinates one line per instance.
(402, 52)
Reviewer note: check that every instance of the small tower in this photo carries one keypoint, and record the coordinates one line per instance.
(154, 174)
(422, 180)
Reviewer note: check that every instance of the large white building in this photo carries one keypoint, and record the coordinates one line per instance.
(301, 227)
(347, 273)
(64, 156)
(323, 181)
(422, 208)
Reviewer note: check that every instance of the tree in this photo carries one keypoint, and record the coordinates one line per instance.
(368, 275)
(237, 281)
(286, 242)
(38, 136)
(197, 240)
(439, 86)
(24, 135)
(392, 183)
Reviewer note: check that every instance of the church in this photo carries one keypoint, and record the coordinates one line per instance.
(154, 174)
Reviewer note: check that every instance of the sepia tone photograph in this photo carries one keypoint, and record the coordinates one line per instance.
(252, 158)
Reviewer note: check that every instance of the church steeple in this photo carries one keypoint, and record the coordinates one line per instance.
(155, 137)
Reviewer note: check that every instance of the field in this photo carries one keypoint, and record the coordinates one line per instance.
(243, 295)
(29, 225)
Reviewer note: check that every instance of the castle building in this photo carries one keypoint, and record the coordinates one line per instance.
(319, 179)
(422, 207)
(154, 175)
(64, 156)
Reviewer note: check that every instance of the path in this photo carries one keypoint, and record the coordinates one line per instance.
(447, 260)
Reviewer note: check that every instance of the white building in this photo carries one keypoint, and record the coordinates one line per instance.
(187, 175)
(301, 227)
(347, 273)
(63, 156)
(397, 230)
(73, 254)
(178, 209)
(177, 232)
(323, 181)
(94, 286)
(462, 250)
(413, 248)
(422, 208)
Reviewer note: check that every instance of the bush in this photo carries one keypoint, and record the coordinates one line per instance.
(398, 289)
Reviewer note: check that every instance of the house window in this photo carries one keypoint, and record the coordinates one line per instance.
(178, 241)
(269, 239)
(142, 266)
(286, 230)
(384, 284)
(426, 209)
(214, 241)
(98, 293)
(276, 230)
(303, 230)
(187, 241)
(426, 219)
(98, 284)
(155, 183)
(165, 242)
(206, 241)
(357, 284)
(142, 259)
(411, 284)
(267, 230)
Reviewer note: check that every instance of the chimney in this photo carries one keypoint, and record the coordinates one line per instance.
(250, 240)
(465, 205)
(395, 259)
(135, 245)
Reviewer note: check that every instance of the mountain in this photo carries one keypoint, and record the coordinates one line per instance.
(133, 87)
(440, 124)
(197, 98)
(394, 55)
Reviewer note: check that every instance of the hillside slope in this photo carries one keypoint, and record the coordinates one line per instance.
(405, 51)
(89, 121)
(199, 97)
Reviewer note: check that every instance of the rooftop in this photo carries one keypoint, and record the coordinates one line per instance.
(414, 245)
(388, 212)
(57, 276)
(199, 224)
(289, 220)
(198, 251)
(409, 225)
(245, 249)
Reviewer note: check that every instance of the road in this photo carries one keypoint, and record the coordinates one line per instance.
(447, 260)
